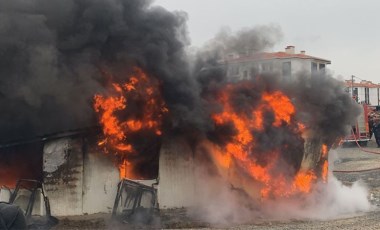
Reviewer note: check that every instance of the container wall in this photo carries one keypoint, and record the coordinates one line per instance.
(63, 175)
(100, 180)
(176, 175)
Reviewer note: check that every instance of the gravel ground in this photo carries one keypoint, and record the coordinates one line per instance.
(354, 159)
(365, 221)
(348, 159)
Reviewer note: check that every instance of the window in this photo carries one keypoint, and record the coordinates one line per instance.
(355, 94)
(322, 68)
(286, 70)
(366, 95)
(245, 74)
(234, 70)
(266, 67)
(314, 68)
(253, 73)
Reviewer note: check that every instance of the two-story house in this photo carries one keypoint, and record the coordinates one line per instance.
(286, 64)
(363, 91)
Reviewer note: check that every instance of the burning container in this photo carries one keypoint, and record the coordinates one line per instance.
(80, 179)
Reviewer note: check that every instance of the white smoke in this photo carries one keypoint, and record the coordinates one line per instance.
(327, 201)
(219, 204)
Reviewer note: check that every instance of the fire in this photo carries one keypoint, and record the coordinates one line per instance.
(282, 107)
(325, 165)
(325, 169)
(126, 170)
(324, 150)
(240, 151)
(112, 127)
(132, 108)
(303, 180)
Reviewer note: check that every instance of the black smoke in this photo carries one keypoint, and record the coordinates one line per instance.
(324, 105)
(244, 42)
(56, 55)
(53, 55)
(321, 102)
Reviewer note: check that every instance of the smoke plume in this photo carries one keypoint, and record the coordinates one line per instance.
(222, 205)
(322, 106)
(54, 55)
(244, 42)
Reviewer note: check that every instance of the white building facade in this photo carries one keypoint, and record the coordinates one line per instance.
(286, 64)
(363, 91)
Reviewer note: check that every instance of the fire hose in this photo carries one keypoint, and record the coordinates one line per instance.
(361, 149)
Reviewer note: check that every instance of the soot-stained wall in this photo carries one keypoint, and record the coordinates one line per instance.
(63, 175)
(79, 179)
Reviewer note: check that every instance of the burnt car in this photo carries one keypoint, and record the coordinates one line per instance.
(135, 203)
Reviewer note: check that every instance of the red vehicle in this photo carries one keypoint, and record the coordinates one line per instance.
(360, 130)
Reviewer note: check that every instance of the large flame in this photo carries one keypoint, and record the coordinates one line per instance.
(239, 150)
(137, 107)
(132, 107)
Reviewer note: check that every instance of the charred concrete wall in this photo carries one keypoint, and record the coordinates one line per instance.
(81, 179)
(63, 175)
(78, 179)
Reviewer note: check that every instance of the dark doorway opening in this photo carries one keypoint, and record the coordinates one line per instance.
(20, 162)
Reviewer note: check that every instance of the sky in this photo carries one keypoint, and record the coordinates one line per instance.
(347, 32)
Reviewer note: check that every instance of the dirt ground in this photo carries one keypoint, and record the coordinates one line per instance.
(349, 159)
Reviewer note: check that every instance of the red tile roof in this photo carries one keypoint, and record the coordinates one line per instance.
(276, 55)
(366, 84)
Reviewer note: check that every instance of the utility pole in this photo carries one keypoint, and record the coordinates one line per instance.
(352, 86)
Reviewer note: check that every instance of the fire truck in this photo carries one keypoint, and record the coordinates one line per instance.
(360, 130)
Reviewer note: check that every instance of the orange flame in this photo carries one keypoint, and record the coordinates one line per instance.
(138, 91)
(126, 170)
(325, 165)
(303, 180)
(325, 169)
(324, 150)
(243, 142)
(281, 105)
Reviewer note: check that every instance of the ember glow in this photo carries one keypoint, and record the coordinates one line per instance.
(325, 164)
(27, 157)
(241, 150)
(132, 108)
